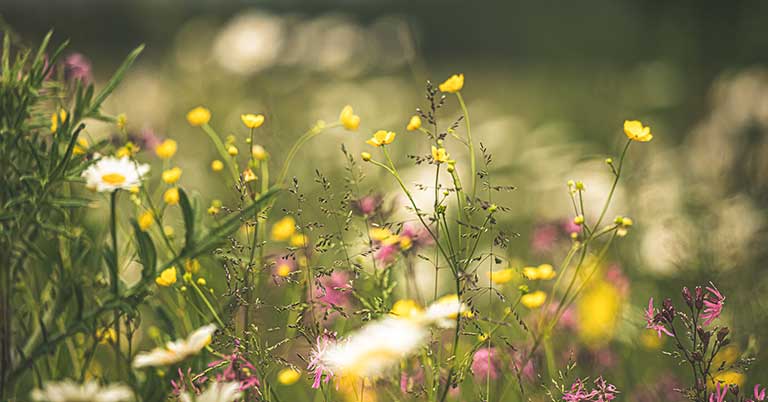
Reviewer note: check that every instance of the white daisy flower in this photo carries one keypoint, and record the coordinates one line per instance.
(445, 310)
(375, 349)
(217, 392)
(110, 174)
(90, 391)
(176, 351)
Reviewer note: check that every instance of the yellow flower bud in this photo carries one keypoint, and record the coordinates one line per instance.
(579, 219)
(166, 149)
(366, 156)
(81, 147)
(146, 219)
(349, 119)
(198, 116)
(172, 175)
(288, 376)
(58, 118)
(122, 121)
(232, 150)
(171, 196)
(192, 265)
(259, 153)
(217, 165)
(251, 120)
(453, 84)
(414, 124)
(283, 229)
(201, 282)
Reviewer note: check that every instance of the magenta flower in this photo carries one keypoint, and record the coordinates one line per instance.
(236, 368)
(603, 392)
(759, 394)
(78, 67)
(579, 393)
(713, 304)
(485, 363)
(316, 363)
(652, 320)
(719, 394)
(368, 205)
(332, 292)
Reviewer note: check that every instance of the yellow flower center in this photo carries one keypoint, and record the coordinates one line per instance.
(114, 179)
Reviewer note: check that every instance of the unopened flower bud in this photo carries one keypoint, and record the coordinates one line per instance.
(699, 301)
(579, 220)
(580, 185)
(366, 156)
(687, 297)
(668, 310)
(609, 161)
(492, 208)
(722, 334)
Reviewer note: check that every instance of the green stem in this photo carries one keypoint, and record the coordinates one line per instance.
(222, 151)
(472, 162)
(115, 274)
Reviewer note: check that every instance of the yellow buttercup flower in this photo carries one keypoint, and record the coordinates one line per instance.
(380, 234)
(81, 147)
(249, 176)
(406, 308)
(299, 240)
(259, 153)
(199, 116)
(349, 119)
(381, 137)
(283, 229)
(288, 376)
(283, 268)
(599, 311)
(502, 276)
(542, 272)
(251, 120)
(58, 118)
(145, 221)
(635, 130)
(232, 150)
(453, 84)
(106, 335)
(167, 277)
(414, 124)
(439, 155)
(534, 299)
(729, 377)
(217, 165)
(166, 149)
(172, 175)
(171, 196)
(127, 150)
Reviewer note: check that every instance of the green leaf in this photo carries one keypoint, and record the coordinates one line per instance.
(147, 252)
(114, 81)
(70, 202)
(188, 213)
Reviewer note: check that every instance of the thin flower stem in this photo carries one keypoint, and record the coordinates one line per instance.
(222, 151)
(208, 305)
(613, 187)
(317, 129)
(472, 162)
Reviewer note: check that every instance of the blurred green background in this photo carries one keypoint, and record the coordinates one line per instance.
(548, 85)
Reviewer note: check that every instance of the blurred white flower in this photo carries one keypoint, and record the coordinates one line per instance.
(445, 310)
(90, 391)
(250, 43)
(176, 351)
(216, 392)
(110, 174)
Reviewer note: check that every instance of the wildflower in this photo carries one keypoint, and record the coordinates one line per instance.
(251, 120)
(599, 309)
(176, 351)
(192, 265)
(414, 123)
(652, 319)
(713, 304)
(374, 349)
(172, 175)
(284, 266)
(166, 149)
(283, 229)
(70, 391)
(78, 67)
(759, 394)
(167, 277)
(381, 137)
(332, 291)
(249, 176)
(486, 363)
(57, 119)
(445, 311)
(501, 277)
(365, 156)
(349, 119)
(171, 196)
(624, 223)
(299, 240)
(145, 221)
(106, 335)
(534, 299)
(367, 205)
(317, 361)
(288, 376)
(635, 131)
(110, 174)
(578, 220)
(216, 392)
(232, 150)
(121, 121)
(453, 84)
(542, 272)
(217, 165)
(198, 116)
(719, 394)
(81, 147)
(439, 155)
(259, 153)
(406, 308)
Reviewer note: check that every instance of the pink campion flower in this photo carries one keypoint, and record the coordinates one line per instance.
(418, 235)
(652, 322)
(579, 393)
(713, 304)
(528, 372)
(719, 394)
(544, 237)
(368, 205)
(316, 363)
(605, 392)
(485, 363)
(78, 67)
(386, 253)
(759, 394)
(236, 369)
(332, 291)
